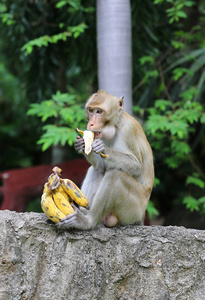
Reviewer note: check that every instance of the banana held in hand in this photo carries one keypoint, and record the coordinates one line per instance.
(50, 209)
(88, 137)
(74, 192)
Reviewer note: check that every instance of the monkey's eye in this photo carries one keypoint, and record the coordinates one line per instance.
(90, 110)
(99, 111)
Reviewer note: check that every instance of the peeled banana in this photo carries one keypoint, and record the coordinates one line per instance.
(50, 209)
(74, 192)
(88, 137)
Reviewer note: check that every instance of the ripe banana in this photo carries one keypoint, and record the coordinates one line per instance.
(46, 188)
(57, 170)
(50, 209)
(58, 194)
(88, 137)
(62, 203)
(74, 192)
(54, 181)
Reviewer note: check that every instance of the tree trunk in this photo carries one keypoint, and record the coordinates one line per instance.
(153, 263)
(114, 49)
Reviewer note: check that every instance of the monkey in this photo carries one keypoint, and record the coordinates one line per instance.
(118, 186)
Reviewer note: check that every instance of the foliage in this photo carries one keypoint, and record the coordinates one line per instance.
(41, 42)
(176, 11)
(172, 101)
(65, 113)
(45, 40)
(16, 142)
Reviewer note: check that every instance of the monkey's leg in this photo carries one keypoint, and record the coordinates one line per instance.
(118, 195)
(119, 199)
(100, 205)
(91, 184)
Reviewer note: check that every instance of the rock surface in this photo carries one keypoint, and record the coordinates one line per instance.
(154, 263)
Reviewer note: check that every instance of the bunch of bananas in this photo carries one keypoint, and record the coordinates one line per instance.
(58, 195)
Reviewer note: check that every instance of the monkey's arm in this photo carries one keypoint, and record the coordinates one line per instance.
(92, 158)
(123, 161)
(126, 162)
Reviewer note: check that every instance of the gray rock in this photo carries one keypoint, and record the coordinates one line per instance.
(154, 263)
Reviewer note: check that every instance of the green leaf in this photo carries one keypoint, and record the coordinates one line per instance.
(189, 93)
(178, 127)
(178, 45)
(61, 4)
(45, 110)
(191, 203)
(156, 181)
(202, 203)
(151, 74)
(151, 210)
(162, 104)
(157, 123)
(203, 118)
(172, 162)
(202, 200)
(147, 59)
(57, 134)
(179, 72)
(181, 14)
(196, 181)
(180, 148)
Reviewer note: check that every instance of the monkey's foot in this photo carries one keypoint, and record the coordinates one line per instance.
(74, 220)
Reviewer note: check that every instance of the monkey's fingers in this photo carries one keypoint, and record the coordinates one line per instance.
(79, 144)
(68, 222)
(99, 148)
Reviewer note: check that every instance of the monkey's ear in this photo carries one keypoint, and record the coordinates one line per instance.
(121, 102)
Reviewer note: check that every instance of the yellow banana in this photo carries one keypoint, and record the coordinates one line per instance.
(46, 188)
(74, 192)
(62, 203)
(53, 181)
(57, 170)
(50, 209)
(61, 190)
(88, 137)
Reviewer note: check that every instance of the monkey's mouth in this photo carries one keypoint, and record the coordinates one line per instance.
(97, 134)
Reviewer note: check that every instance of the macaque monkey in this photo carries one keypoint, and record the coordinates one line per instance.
(118, 186)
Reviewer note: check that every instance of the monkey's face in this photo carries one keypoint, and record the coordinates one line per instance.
(96, 118)
(98, 123)
(103, 113)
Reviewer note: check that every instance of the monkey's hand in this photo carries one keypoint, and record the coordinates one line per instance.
(74, 220)
(79, 144)
(98, 146)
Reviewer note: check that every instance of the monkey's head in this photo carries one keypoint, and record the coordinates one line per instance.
(103, 112)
